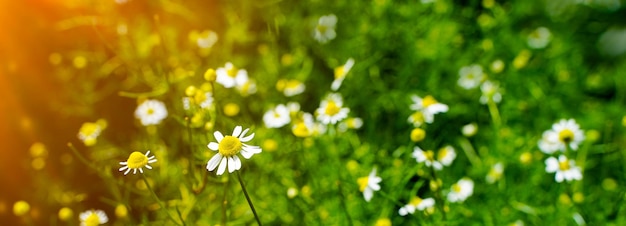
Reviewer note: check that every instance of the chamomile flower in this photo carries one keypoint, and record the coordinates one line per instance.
(369, 184)
(277, 117)
(471, 76)
(206, 39)
(325, 29)
(469, 130)
(428, 106)
(539, 38)
(340, 74)
(89, 131)
(230, 76)
(417, 118)
(350, 123)
(490, 92)
(304, 126)
(290, 87)
(416, 203)
(151, 112)
(564, 134)
(136, 161)
(331, 109)
(93, 218)
(427, 157)
(495, 173)
(564, 168)
(461, 190)
(247, 88)
(446, 155)
(228, 147)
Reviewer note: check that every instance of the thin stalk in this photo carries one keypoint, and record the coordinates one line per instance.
(439, 196)
(225, 203)
(145, 180)
(81, 158)
(245, 192)
(495, 114)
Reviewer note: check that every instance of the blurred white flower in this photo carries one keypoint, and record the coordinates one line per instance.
(471, 76)
(340, 74)
(461, 190)
(446, 155)
(565, 133)
(490, 91)
(564, 168)
(427, 157)
(495, 173)
(325, 29)
(369, 184)
(416, 203)
(331, 109)
(230, 76)
(93, 218)
(151, 112)
(246, 88)
(539, 38)
(350, 123)
(428, 106)
(227, 148)
(277, 117)
(469, 129)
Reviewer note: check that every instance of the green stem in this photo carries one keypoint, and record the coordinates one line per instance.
(225, 203)
(495, 114)
(245, 192)
(145, 180)
(439, 195)
(81, 158)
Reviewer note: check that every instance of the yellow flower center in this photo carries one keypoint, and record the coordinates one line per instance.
(566, 136)
(301, 130)
(442, 153)
(415, 201)
(150, 111)
(340, 72)
(292, 84)
(363, 181)
(428, 100)
(456, 188)
(229, 146)
(418, 116)
(430, 155)
(232, 72)
(89, 128)
(321, 28)
(564, 165)
(92, 219)
(136, 160)
(332, 108)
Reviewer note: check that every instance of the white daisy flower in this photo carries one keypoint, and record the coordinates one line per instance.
(564, 168)
(331, 109)
(291, 87)
(446, 155)
(369, 184)
(136, 161)
(565, 133)
(539, 38)
(428, 106)
(304, 126)
(277, 117)
(228, 147)
(461, 190)
(151, 112)
(340, 74)
(325, 29)
(490, 91)
(89, 132)
(471, 76)
(230, 76)
(416, 203)
(206, 39)
(247, 88)
(495, 173)
(417, 118)
(93, 218)
(427, 157)
(350, 123)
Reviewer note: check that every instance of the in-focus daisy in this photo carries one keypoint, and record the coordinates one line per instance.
(428, 106)
(290, 87)
(340, 74)
(277, 117)
(446, 155)
(416, 203)
(427, 157)
(89, 131)
(564, 168)
(369, 184)
(93, 218)
(228, 147)
(331, 109)
(151, 112)
(471, 76)
(136, 161)
(490, 91)
(539, 38)
(325, 29)
(495, 173)
(565, 133)
(230, 76)
(460, 191)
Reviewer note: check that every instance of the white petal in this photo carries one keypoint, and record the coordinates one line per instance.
(123, 168)
(213, 146)
(237, 131)
(367, 194)
(248, 138)
(127, 171)
(237, 162)
(213, 162)
(246, 154)
(222, 168)
(218, 136)
(231, 164)
(243, 134)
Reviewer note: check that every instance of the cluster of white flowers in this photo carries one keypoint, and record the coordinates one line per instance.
(445, 156)
(472, 76)
(425, 110)
(563, 136)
